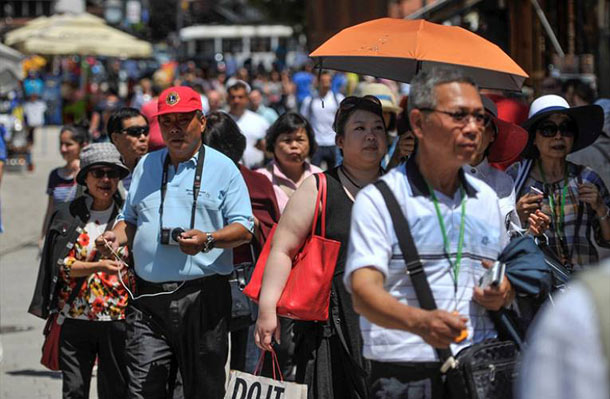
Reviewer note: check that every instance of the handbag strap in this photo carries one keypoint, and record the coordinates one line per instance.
(522, 173)
(321, 197)
(415, 268)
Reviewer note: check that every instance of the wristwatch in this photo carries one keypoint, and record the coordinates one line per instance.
(209, 243)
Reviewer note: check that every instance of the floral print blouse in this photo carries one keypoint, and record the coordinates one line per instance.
(102, 297)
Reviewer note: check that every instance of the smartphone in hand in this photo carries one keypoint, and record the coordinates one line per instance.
(493, 276)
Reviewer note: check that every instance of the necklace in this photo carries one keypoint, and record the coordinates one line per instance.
(349, 178)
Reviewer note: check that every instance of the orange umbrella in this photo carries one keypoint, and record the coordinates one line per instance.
(397, 49)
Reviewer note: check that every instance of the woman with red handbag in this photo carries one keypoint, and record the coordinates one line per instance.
(79, 293)
(328, 353)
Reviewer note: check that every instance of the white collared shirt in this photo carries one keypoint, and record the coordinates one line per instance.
(373, 243)
(503, 185)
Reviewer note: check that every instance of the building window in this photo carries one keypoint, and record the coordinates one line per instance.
(232, 45)
(205, 46)
(260, 44)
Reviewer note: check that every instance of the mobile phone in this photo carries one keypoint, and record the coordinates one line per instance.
(493, 276)
(535, 191)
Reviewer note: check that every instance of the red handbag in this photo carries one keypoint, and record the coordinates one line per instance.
(52, 331)
(306, 295)
(50, 348)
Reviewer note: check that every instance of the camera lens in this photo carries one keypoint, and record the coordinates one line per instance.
(176, 233)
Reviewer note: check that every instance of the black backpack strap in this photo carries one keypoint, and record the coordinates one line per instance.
(415, 268)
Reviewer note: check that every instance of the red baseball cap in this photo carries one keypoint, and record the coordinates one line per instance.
(181, 99)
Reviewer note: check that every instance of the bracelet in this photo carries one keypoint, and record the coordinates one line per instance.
(606, 216)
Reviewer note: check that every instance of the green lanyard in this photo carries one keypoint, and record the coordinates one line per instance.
(557, 222)
(455, 267)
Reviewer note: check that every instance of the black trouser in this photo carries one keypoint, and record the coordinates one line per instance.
(188, 328)
(81, 342)
(406, 380)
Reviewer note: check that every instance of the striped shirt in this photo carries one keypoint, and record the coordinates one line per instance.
(60, 188)
(578, 237)
(373, 243)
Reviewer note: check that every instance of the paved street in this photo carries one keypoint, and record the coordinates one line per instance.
(23, 205)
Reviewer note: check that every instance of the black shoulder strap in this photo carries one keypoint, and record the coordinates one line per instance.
(415, 269)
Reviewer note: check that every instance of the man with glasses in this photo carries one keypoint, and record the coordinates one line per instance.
(128, 130)
(187, 207)
(456, 224)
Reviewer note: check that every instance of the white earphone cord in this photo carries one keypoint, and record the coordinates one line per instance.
(124, 265)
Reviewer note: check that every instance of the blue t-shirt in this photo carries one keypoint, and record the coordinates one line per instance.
(223, 200)
(303, 81)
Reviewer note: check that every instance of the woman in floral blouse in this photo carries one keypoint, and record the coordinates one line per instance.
(94, 316)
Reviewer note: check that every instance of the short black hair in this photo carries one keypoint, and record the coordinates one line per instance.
(79, 132)
(238, 85)
(115, 121)
(223, 134)
(287, 123)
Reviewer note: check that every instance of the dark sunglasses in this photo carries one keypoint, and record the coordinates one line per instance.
(353, 101)
(100, 173)
(550, 129)
(136, 131)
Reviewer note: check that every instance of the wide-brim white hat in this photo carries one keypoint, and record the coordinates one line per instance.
(588, 118)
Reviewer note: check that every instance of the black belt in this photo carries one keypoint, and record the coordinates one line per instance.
(407, 371)
(148, 287)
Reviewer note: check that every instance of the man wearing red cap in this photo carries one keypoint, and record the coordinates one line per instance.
(186, 208)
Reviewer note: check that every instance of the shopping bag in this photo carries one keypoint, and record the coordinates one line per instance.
(306, 295)
(252, 386)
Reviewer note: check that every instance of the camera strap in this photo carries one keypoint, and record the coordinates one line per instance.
(196, 185)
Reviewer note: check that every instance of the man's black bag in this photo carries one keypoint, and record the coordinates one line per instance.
(482, 371)
(243, 313)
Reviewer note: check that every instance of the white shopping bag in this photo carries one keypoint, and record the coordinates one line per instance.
(252, 386)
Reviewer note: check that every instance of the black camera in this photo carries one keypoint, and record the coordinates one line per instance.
(170, 236)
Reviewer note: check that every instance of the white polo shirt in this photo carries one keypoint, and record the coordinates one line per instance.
(322, 117)
(373, 243)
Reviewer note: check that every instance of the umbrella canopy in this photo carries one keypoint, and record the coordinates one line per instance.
(80, 34)
(397, 49)
(10, 68)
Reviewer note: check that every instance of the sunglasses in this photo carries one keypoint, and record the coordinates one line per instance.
(100, 173)
(136, 131)
(550, 129)
(353, 101)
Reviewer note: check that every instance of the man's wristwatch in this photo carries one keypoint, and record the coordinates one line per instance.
(208, 245)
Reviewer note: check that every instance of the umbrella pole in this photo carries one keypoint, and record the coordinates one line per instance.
(418, 67)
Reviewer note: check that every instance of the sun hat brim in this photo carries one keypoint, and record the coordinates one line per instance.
(82, 174)
(509, 143)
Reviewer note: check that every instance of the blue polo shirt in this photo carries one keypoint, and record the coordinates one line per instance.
(223, 200)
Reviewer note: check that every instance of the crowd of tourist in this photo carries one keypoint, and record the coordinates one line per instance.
(167, 198)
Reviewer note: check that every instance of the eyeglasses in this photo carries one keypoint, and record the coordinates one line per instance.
(136, 131)
(549, 129)
(462, 117)
(100, 173)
